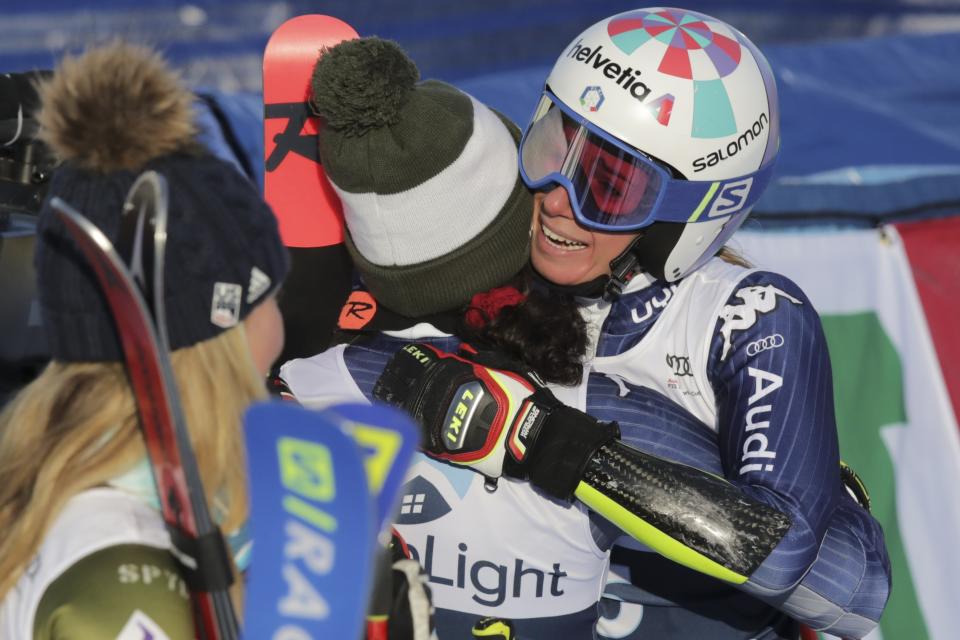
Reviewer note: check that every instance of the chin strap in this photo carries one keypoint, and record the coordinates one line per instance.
(622, 270)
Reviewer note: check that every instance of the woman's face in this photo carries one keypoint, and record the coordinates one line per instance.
(264, 329)
(562, 251)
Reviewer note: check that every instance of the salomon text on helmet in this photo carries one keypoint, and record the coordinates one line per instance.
(658, 120)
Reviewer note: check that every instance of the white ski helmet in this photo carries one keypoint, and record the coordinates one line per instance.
(658, 116)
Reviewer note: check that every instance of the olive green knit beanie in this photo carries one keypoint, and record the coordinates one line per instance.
(434, 207)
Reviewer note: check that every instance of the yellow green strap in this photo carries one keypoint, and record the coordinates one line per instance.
(703, 203)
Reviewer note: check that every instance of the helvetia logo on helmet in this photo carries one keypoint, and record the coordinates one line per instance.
(625, 78)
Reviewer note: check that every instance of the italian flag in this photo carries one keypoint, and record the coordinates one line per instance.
(888, 300)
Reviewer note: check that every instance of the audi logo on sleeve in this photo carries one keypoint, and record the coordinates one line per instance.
(759, 346)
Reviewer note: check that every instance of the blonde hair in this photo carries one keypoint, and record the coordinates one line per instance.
(733, 256)
(80, 420)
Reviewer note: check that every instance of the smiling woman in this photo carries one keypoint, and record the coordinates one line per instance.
(624, 160)
(620, 223)
(566, 253)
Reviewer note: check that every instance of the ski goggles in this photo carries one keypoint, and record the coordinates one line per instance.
(615, 187)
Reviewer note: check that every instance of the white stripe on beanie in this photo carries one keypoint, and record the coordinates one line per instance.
(443, 213)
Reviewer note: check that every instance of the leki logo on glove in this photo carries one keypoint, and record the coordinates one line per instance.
(415, 351)
(457, 421)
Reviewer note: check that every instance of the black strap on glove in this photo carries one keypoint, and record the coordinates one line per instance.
(497, 421)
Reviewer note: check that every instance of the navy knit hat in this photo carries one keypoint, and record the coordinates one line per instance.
(109, 115)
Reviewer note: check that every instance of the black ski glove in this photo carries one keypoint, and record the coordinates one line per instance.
(496, 421)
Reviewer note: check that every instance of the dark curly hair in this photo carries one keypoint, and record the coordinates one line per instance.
(545, 332)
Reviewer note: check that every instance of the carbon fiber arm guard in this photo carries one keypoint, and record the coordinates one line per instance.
(689, 516)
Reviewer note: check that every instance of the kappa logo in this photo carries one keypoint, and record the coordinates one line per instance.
(757, 300)
(732, 198)
(225, 307)
(770, 342)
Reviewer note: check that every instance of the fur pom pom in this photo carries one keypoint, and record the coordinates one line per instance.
(115, 107)
(359, 85)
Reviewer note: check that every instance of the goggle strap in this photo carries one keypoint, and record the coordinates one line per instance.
(703, 203)
(573, 152)
(689, 200)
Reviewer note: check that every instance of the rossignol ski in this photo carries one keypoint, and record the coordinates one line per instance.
(295, 186)
(196, 541)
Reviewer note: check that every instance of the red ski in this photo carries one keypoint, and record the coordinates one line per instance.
(295, 186)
